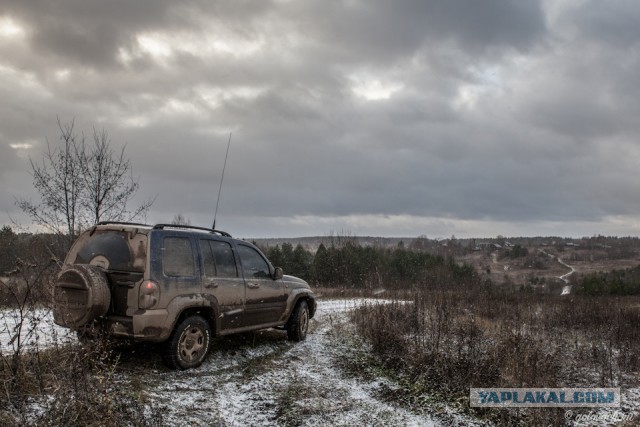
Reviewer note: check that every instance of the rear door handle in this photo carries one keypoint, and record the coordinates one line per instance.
(211, 285)
(253, 285)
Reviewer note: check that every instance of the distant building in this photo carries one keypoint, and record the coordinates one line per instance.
(487, 245)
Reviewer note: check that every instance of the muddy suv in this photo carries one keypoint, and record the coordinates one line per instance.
(176, 285)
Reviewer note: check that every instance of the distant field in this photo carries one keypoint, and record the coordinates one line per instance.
(541, 266)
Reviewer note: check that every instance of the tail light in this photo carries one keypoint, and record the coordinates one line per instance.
(149, 295)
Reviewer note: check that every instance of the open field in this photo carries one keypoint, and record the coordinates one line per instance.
(544, 266)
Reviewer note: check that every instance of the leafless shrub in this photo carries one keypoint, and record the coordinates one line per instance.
(73, 385)
(451, 339)
(21, 291)
(44, 381)
(87, 389)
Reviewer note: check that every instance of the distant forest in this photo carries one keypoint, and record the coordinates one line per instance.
(369, 262)
(352, 265)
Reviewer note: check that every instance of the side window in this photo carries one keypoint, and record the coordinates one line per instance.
(253, 265)
(207, 258)
(218, 259)
(225, 261)
(177, 257)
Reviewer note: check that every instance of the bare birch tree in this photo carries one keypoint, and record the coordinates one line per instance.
(58, 182)
(82, 183)
(108, 181)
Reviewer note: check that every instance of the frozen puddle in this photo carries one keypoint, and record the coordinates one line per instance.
(280, 384)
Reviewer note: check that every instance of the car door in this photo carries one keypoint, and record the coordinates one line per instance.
(174, 266)
(221, 282)
(265, 300)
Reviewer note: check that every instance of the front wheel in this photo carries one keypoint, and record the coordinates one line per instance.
(189, 343)
(298, 322)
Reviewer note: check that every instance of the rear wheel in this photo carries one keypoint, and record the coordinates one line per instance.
(189, 343)
(298, 324)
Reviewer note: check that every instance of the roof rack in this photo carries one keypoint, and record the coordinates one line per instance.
(122, 223)
(190, 227)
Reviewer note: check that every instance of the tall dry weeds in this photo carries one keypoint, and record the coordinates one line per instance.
(448, 340)
(58, 383)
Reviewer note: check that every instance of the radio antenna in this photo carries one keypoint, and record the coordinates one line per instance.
(215, 215)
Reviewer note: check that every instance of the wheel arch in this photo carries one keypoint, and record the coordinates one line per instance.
(206, 312)
(310, 300)
(182, 307)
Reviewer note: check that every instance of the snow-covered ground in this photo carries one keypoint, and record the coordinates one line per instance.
(31, 329)
(280, 383)
(263, 379)
(267, 381)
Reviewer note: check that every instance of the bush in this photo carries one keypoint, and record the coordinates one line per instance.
(56, 383)
(617, 282)
(68, 384)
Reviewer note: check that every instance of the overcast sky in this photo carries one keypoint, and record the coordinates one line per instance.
(361, 117)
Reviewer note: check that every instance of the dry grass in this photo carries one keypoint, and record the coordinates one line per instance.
(451, 339)
(71, 385)
(349, 293)
(58, 384)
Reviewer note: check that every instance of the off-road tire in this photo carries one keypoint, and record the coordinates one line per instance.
(298, 323)
(189, 343)
(81, 295)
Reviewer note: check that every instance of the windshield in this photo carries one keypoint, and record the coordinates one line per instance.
(111, 250)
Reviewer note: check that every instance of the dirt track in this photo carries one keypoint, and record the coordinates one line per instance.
(270, 381)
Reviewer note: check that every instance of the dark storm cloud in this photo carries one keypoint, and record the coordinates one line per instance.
(492, 112)
(90, 33)
(378, 31)
(616, 24)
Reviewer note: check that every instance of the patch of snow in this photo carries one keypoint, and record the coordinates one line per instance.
(31, 330)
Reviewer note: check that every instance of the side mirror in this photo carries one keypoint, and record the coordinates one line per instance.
(278, 273)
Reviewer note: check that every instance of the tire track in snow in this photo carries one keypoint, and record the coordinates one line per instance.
(298, 384)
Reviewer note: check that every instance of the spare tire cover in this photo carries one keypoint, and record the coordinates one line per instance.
(81, 295)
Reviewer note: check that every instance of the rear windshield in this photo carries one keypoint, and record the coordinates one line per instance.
(111, 250)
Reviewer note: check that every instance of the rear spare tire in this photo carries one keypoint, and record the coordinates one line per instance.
(81, 295)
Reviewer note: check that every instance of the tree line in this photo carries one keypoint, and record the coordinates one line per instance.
(354, 266)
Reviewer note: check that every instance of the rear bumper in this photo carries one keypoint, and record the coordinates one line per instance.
(140, 327)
